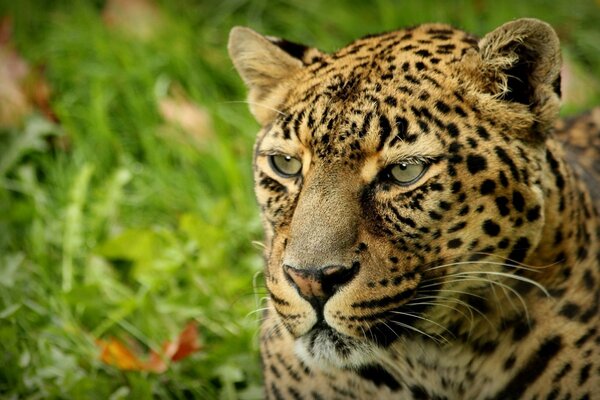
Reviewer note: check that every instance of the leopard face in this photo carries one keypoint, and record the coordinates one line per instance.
(400, 181)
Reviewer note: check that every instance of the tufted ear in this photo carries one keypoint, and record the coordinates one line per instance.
(264, 63)
(522, 60)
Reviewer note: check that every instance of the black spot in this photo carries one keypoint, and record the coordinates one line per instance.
(384, 131)
(533, 214)
(453, 130)
(423, 53)
(487, 187)
(560, 180)
(491, 228)
(482, 132)
(570, 310)
(295, 394)
(442, 107)
(457, 227)
(434, 215)
(436, 187)
(584, 373)
(472, 142)
(454, 243)
(553, 395)
(503, 244)
(476, 163)
(456, 186)
(519, 250)
(391, 101)
(510, 362)
(379, 376)
(503, 178)
(478, 303)
(458, 110)
(518, 200)
(486, 347)
(419, 392)
(503, 156)
(444, 205)
(502, 204)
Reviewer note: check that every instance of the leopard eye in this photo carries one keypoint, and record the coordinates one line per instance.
(285, 166)
(407, 173)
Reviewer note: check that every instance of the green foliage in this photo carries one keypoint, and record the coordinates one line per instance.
(123, 231)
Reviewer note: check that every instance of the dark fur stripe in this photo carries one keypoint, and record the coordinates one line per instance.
(531, 371)
(379, 376)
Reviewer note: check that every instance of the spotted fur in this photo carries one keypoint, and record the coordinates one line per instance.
(479, 278)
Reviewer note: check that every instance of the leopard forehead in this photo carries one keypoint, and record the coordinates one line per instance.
(384, 90)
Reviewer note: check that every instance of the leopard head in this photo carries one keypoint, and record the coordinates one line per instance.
(399, 178)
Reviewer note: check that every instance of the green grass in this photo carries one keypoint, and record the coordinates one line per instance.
(110, 227)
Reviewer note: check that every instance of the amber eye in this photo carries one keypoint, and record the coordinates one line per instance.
(407, 173)
(286, 166)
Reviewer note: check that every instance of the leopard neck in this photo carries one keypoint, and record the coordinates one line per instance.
(570, 241)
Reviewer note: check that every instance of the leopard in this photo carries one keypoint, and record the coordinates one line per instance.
(431, 226)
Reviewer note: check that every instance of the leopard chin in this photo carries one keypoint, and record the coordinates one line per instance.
(327, 349)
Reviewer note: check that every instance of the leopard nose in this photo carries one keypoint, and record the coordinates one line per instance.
(317, 285)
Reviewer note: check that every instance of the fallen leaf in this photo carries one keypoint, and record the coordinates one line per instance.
(114, 352)
(13, 70)
(22, 88)
(187, 343)
(140, 19)
(191, 121)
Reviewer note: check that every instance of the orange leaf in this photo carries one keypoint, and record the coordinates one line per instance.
(187, 343)
(115, 353)
(23, 88)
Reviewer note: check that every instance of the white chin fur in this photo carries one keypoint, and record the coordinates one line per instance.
(324, 355)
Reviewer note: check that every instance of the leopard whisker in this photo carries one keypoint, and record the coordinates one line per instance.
(471, 316)
(507, 275)
(459, 263)
(502, 285)
(406, 326)
(515, 263)
(468, 306)
(414, 315)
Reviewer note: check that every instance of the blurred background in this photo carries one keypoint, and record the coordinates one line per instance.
(130, 252)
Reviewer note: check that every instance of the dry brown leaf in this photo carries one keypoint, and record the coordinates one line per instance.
(114, 352)
(14, 105)
(22, 88)
(187, 342)
(140, 19)
(189, 118)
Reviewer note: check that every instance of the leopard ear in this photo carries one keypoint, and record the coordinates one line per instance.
(264, 64)
(522, 61)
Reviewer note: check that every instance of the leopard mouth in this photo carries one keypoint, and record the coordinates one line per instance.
(325, 347)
